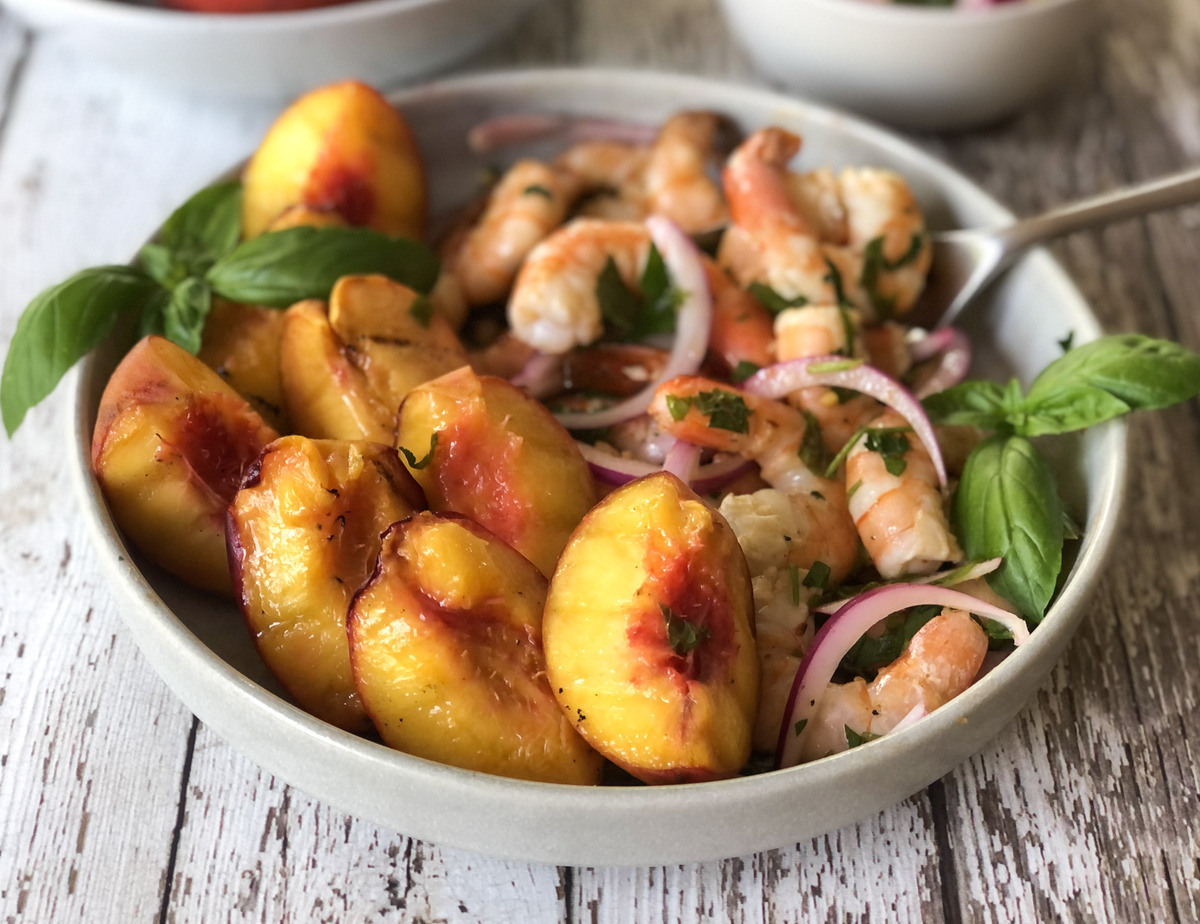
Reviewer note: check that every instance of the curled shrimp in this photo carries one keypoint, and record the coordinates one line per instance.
(940, 662)
(858, 239)
(529, 201)
(896, 502)
(554, 306)
(677, 182)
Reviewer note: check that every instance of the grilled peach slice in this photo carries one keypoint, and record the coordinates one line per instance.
(325, 395)
(241, 344)
(391, 333)
(340, 148)
(445, 640)
(171, 444)
(649, 638)
(303, 536)
(485, 449)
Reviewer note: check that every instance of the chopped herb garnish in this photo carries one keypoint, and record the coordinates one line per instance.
(841, 365)
(818, 576)
(854, 739)
(538, 190)
(874, 261)
(812, 451)
(743, 370)
(725, 410)
(892, 444)
(682, 635)
(413, 462)
(834, 278)
(799, 727)
(422, 310)
(772, 300)
(636, 314)
(853, 489)
(1067, 342)
(794, 579)
(848, 330)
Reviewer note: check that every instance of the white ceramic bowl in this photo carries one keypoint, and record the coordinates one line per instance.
(200, 647)
(928, 68)
(274, 55)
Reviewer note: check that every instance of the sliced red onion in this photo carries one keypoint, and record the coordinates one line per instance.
(843, 629)
(960, 575)
(508, 130)
(616, 470)
(681, 461)
(541, 376)
(953, 350)
(692, 325)
(782, 379)
(914, 715)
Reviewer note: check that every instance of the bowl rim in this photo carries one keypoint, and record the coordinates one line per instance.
(587, 805)
(940, 17)
(113, 12)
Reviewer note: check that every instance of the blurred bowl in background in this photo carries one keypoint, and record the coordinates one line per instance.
(274, 56)
(927, 68)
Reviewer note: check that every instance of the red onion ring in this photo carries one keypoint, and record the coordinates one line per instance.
(616, 470)
(960, 575)
(954, 351)
(845, 627)
(681, 461)
(508, 130)
(783, 378)
(541, 376)
(913, 716)
(692, 325)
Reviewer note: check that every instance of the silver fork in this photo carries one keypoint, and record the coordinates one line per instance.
(967, 260)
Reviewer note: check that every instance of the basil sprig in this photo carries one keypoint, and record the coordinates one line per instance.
(195, 257)
(1007, 503)
(650, 309)
(1086, 386)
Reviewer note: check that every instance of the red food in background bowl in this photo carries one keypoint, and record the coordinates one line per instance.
(248, 6)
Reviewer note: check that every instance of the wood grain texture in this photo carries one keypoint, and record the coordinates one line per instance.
(115, 805)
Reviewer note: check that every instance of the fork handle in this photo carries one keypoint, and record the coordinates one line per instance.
(1128, 202)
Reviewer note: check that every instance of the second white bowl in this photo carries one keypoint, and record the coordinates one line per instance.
(919, 67)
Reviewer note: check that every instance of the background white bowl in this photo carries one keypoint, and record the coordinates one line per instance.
(202, 650)
(275, 55)
(920, 67)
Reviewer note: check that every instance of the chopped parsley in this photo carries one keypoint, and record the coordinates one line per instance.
(538, 190)
(854, 739)
(818, 576)
(743, 370)
(635, 314)
(682, 635)
(812, 451)
(1067, 342)
(725, 410)
(799, 727)
(892, 444)
(874, 261)
(834, 278)
(413, 462)
(772, 300)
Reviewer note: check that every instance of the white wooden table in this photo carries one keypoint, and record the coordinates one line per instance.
(117, 805)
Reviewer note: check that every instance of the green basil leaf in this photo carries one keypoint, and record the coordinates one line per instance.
(619, 305)
(772, 300)
(1066, 408)
(660, 299)
(974, 404)
(186, 312)
(1008, 505)
(198, 233)
(281, 268)
(59, 327)
(1140, 372)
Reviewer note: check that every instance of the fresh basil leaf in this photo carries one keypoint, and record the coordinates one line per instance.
(1008, 505)
(158, 262)
(619, 305)
(185, 313)
(59, 327)
(973, 404)
(1067, 408)
(198, 233)
(818, 576)
(660, 299)
(413, 461)
(743, 370)
(280, 268)
(1141, 373)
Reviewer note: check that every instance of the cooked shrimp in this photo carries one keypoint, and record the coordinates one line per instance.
(677, 182)
(530, 201)
(789, 234)
(611, 178)
(895, 500)
(940, 662)
(554, 306)
(742, 329)
(806, 512)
